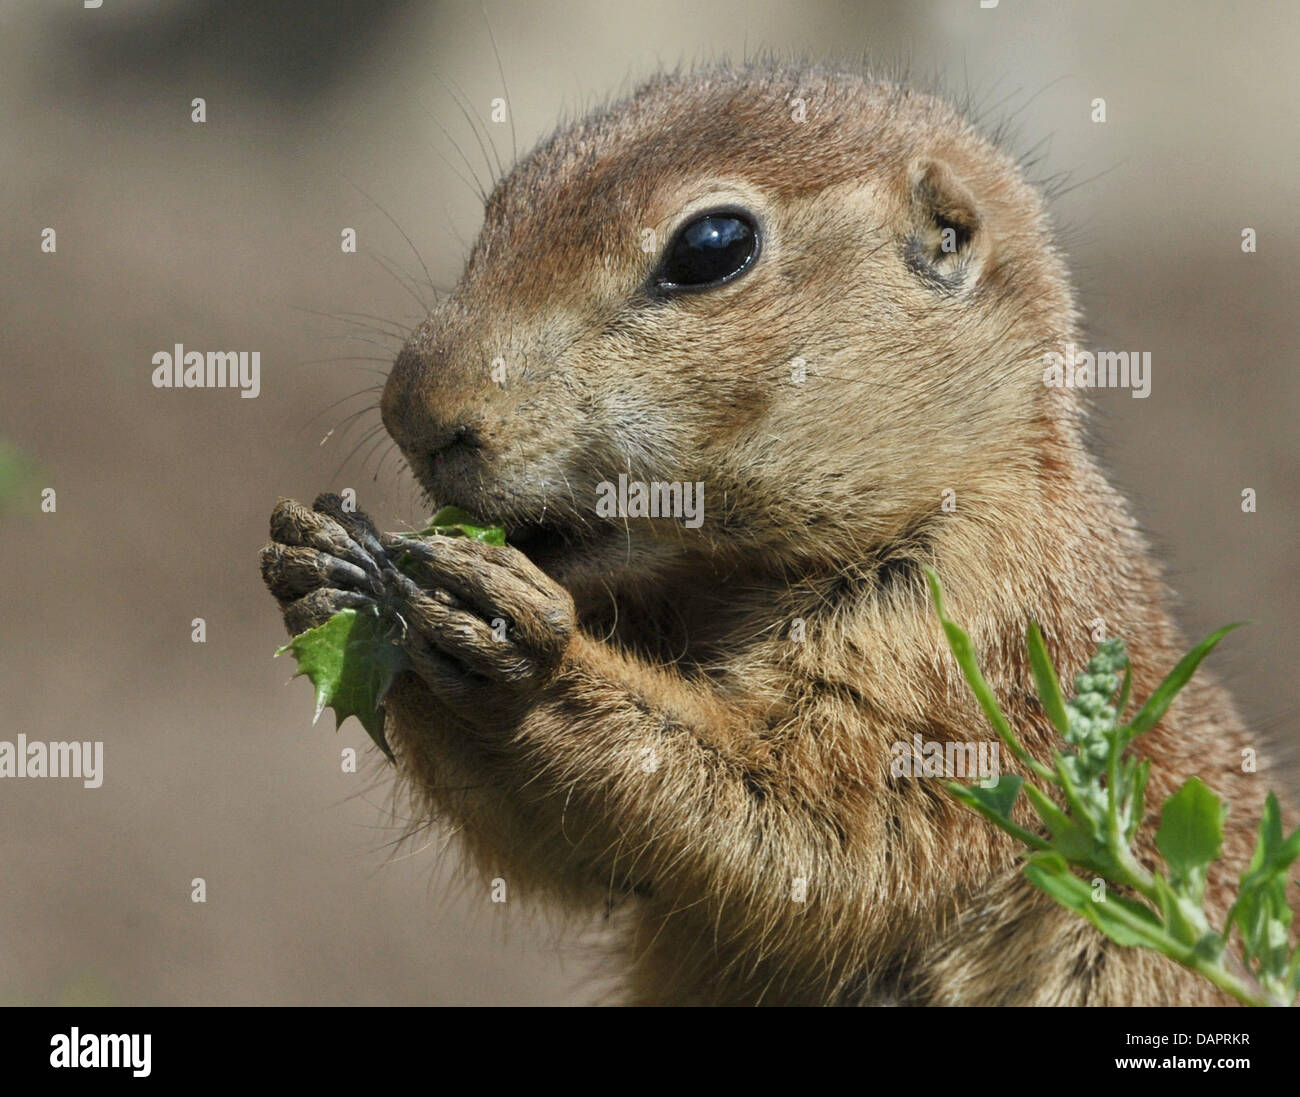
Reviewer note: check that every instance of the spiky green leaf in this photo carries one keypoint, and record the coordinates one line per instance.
(352, 661)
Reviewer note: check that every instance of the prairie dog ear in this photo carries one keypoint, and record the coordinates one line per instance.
(946, 241)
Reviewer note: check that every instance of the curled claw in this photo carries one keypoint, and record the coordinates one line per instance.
(358, 527)
(292, 572)
(412, 591)
(399, 546)
(294, 525)
(314, 609)
(398, 543)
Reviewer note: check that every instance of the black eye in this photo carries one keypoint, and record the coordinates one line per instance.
(708, 251)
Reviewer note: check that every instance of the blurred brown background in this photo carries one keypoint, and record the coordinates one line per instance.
(226, 235)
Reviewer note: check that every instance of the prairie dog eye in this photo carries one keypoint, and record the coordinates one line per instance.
(707, 251)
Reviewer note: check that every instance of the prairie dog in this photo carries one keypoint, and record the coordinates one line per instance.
(822, 304)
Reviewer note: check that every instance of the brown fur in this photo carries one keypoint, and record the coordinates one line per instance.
(680, 749)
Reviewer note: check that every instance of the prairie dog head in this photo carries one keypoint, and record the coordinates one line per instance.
(822, 298)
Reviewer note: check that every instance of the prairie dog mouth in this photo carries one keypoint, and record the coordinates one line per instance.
(550, 538)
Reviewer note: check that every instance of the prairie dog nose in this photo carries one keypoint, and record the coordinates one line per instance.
(421, 406)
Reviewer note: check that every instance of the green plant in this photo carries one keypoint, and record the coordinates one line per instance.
(17, 477)
(1101, 787)
(353, 657)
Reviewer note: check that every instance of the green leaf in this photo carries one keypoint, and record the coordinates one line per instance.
(1149, 715)
(1001, 795)
(964, 652)
(1185, 921)
(1191, 835)
(1261, 912)
(1209, 947)
(454, 522)
(351, 658)
(1104, 794)
(1122, 920)
(1264, 919)
(18, 475)
(1136, 780)
(1273, 853)
(995, 804)
(351, 662)
(1049, 688)
(1077, 797)
(1125, 690)
(1072, 840)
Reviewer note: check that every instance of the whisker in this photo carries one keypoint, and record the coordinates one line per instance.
(346, 423)
(383, 325)
(350, 358)
(475, 124)
(392, 448)
(383, 437)
(510, 110)
(359, 324)
(405, 236)
(352, 453)
(343, 400)
(475, 186)
(397, 276)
